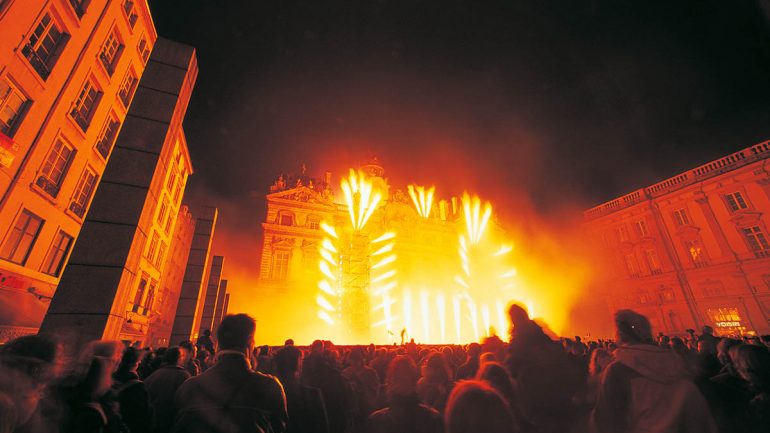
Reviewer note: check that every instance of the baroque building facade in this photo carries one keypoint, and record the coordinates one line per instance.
(692, 250)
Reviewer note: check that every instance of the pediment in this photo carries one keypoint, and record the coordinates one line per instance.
(301, 194)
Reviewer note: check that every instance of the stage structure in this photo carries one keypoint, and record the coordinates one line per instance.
(384, 266)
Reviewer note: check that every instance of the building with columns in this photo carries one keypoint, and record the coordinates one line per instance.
(69, 70)
(691, 250)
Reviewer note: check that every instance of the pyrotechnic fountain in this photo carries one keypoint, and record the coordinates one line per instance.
(369, 291)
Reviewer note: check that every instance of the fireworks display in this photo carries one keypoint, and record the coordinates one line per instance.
(380, 283)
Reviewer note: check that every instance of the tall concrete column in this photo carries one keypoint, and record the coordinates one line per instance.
(189, 309)
(219, 312)
(227, 305)
(90, 301)
(212, 293)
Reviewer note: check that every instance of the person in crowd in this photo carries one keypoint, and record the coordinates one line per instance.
(204, 341)
(468, 369)
(380, 363)
(475, 406)
(547, 380)
(366, 383)
(147, 364)
(337, 392)
(230, 397)
(752, 362)
(265, 360)
(27, 366)
(434, 386)
(305, 404)
(162, 385)
(404, 413)
(91, 406)
(131, 392)
(646, 387)
(288, 342)
(190, 357)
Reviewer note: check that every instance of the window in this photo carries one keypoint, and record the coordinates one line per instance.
(642, 296)
(58, 253)
(169, 221)
(178, 190)
(13, 106)
(153, 246)
(622, 233)
(128, 8)
(161, 254)
(641, 228)
(144, 49)
(314, 224)
(140, 289)
(162, 212)
(21, 238)
(85, 106)
(286, 220)
(55, 167)
(653, 262)
(107, 138)
(735, 201)
(83, 193)
(696, 252)
(80, 6)
(150, 297)
(681, 218)
(280, 265)
(128, 88)
(111, 51)
(44, 46)
(757, 241)
(632, 265)
(171, 180)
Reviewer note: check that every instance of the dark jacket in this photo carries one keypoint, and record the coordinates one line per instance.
(161, 386)
(307, 412)
(405, 414)
(133, 401)
(230, 398)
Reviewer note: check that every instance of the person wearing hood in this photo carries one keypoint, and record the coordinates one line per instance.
(646, 388)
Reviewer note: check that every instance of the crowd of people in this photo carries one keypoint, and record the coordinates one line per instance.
(533, 383)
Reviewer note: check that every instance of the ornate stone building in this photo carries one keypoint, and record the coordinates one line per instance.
(691, 250)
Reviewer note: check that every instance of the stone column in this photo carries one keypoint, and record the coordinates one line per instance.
(189, 309)
(220, 307)
(90, 301)
(212, 293)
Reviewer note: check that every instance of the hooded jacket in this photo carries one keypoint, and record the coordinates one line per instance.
(646, 390)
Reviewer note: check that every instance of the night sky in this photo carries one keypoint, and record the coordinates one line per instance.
(559, 104)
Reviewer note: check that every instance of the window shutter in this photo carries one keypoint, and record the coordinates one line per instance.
(20, 117)
(92, 111)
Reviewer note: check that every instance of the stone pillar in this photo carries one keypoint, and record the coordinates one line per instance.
(219, 312)
(227, 305)
(212, 293)
(189, 309)
(90, 301)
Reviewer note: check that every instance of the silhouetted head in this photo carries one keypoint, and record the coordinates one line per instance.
(189, 350)
(130, 359)
(723, 349)
(317, 346)
(600, 359)
(287, 361)
(707, 330)
(753, 365)
(474, 406)
(288, 342)
(518, 314)
(172, 356)
(402, 376)
(632, 327)
(356, 357)
(27, 364)
(236, 332)
(498, 377)
(435, 368)
(474, 350)
(487, 357)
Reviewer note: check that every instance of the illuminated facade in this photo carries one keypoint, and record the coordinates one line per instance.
(379, 260)
(69, 71)
(692, 250)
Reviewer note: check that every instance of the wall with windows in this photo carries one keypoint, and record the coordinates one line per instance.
(68, 73)
(692, 250)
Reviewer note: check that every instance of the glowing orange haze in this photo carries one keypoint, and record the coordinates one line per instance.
(448, 298)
